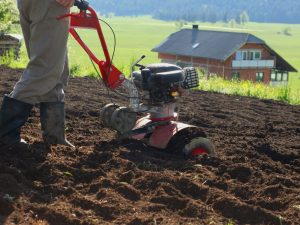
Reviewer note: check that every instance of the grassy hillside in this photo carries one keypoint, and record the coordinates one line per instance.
(138, 35)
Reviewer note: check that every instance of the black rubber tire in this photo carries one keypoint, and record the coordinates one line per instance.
(180, 143)
(199, 142)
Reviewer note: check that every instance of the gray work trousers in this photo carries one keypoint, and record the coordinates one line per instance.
(47, 72)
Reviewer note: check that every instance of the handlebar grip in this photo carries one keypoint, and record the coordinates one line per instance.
(140, 66)
(81, 4)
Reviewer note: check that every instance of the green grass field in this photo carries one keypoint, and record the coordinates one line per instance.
(136, 36)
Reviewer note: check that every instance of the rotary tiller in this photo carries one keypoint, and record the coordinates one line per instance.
(153, 91)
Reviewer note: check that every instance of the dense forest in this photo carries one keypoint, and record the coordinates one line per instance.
(275, 11)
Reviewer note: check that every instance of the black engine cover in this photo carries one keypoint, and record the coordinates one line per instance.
(164, 74)
(162, 67)
(159, 79)
(167, 77)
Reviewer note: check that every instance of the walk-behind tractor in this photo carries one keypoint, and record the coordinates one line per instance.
(153, 91)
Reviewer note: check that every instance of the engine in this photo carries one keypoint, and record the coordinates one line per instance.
(165, 82)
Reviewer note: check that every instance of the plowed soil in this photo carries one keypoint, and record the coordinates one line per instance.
(254, 178)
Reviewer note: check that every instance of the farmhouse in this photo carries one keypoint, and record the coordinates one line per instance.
(228, 54)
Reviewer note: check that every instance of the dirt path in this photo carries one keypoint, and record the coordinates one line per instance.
(254, 179)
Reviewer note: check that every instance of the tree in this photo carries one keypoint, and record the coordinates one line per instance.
(244, 17)
(179, 24)
(232, 23)
(8, 15)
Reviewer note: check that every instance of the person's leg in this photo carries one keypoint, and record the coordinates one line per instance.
(14, 113)
(46, 41)
(52, 109)
(47, 50)
(57, 93)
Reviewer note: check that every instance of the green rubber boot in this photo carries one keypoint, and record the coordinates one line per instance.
(13, 115)
(53, 123)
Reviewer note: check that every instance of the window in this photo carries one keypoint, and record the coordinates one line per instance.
(239, 55)
(273, 76)
(254, 55)
(285, 76)
(245, 55)
(260, 77)
(196, 45)
(235, 76)
(257, 55)
(248, 55)
(279, 76)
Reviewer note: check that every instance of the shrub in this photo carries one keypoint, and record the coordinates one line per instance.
(250, 89)
(232, 23)
(8, 15)
(7, 58)
(75, 69)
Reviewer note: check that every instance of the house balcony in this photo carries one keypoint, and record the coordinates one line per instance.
(253, 63)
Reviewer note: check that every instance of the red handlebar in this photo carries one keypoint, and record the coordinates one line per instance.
(88, 19)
